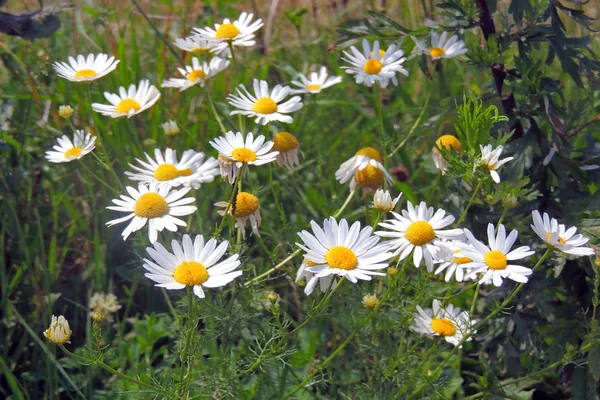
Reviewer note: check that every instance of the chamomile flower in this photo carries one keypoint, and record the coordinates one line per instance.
(166, 170)
(324, 281)
(239, 32)
(558, 237)
(197, 73)
(447, 142)
(493, 261)
(316, 82)
(229, 169)
(375, 66)
(382, 200)
(155, 206)
(419, 231)
(196, 45)
(448, 322)
(265, 106)
(68, 150)
(170, 127)
(370, 300)
(59, 331)
(452, 260)
(440, 48)
(287, 146)
(490, 159)
(196, 264)
(129, 102)
(337, 249)
(65, 112)
(245, 208)
(86, 69)
(102, 305)
(249, 151)
(367, 157)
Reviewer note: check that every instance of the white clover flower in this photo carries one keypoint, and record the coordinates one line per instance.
(316, 83)
(490, 159)
(86, 69)
(375, 66)
(448, 322)
(264, 105)
(68, 150)
(197, 264)
(558, 237)
(353, 253)
(440, 48)
(419, 231)
(129, 102)
(493, 261)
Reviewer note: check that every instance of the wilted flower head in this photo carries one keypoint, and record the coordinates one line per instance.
(59, 331)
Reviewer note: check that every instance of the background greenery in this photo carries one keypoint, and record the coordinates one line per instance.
(56, 249)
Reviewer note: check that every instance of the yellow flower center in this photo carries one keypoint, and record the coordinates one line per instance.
(381, 54)
(227, 31)
(372, 67)
(197, 50)
(243, 154)
(190, 273)
(462, 260)
(341, 257)
(489, 167)
(85, 73)
(284, 142)
(265, 105)
(436, 52)
(496, 260)
(370, 177)
(419, 233)
(309, 263)
(74, 152)
(151, 205)
(167, 172)
(443, 326)
(313, 87)
(195, 75)
(245, 204)
(369, 152)
(126, 105)
(560, 240)
(448, 142)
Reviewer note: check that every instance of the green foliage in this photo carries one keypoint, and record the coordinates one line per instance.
(475, 121)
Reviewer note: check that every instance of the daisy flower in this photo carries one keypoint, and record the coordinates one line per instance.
(59, 331)
(493, 261)
(68, 150)
(129, 102)
(558, 237)
(452, 260)
(304, 273)
(197, 74)
(191, 170)
(440, 48)
(86, 69)
(287, 146)
(338, 250)
(170, 127)
(196, 264)
(239, 32)
(419, 231)
(449, 143)
(196, 45)
(245, 208)
(153, 205)
(490, 159)
(448, 322)
(382, 201)
(364, 169)
(265, 106)
(316, 83)
(233, 148)
(374, 66)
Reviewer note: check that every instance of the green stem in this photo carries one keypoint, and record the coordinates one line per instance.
(160, 35)
(230, 202)
(241, 121)
(504, 211)
(188, 339)
(211, 104)
(379, 109)
(464, 213)
(324, 301)
(113, 371)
